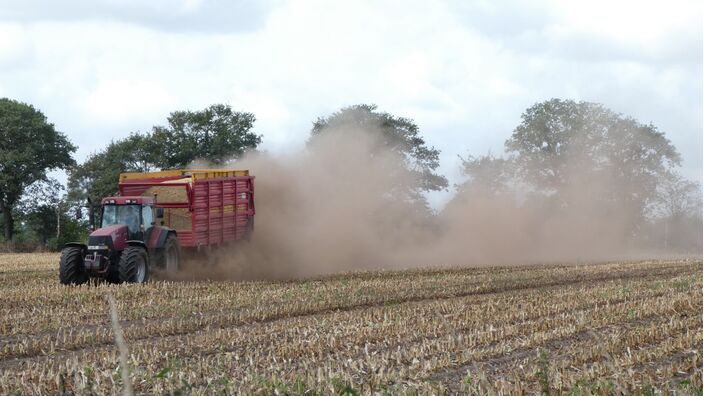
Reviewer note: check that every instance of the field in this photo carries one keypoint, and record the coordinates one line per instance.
(623, 327)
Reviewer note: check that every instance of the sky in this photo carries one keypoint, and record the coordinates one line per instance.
(463, 70)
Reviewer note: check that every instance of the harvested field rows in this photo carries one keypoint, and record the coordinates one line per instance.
(629, 327)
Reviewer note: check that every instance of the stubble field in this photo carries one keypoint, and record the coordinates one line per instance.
(621, 327)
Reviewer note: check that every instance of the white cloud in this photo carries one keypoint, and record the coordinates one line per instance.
(463, 70)
(273, 115)
(118, 101)
(208, 16)
(630, 22)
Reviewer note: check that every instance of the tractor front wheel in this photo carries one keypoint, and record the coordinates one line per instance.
(134, 265)
(72, 270)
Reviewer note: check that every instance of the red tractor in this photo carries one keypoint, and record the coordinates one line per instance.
(127, 243)
(156, 215)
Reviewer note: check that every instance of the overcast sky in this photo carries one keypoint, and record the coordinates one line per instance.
(464, 70)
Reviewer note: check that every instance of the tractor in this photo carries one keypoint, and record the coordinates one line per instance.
(126, 248)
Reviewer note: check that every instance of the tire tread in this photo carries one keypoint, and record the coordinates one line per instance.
(127, 267)
(71, 267)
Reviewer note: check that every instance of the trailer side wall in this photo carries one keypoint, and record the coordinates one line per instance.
(223, 210)
(207, 208)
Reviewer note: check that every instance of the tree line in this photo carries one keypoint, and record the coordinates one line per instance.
(559, 147)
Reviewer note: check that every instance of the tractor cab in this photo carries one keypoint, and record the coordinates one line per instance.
(137, 213)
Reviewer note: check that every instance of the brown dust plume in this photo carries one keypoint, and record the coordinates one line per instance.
(341, 204)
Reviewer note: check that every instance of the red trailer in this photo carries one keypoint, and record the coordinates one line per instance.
(205, 207)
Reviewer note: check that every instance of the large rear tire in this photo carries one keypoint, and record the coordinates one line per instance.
(172, 255)
(134, 265)
(72, 270)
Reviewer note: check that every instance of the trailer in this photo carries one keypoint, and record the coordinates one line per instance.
(155, 217)
(205, 207)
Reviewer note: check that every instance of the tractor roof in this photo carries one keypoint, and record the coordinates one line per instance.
(128, 200)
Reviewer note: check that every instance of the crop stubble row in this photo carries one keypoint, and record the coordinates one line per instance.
(419, 329)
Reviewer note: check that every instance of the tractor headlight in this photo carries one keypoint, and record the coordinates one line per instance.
(98, 247)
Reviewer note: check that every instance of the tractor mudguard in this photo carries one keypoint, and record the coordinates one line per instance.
(162, 238)
(83, 246)
(158, 236)
(137, 242)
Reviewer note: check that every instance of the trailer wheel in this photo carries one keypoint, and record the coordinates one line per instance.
(72, 270)
(134, 265)
(172, 255)
(249, 229)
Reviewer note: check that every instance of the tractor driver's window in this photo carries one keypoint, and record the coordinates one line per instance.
(147, 216)
(129, 215)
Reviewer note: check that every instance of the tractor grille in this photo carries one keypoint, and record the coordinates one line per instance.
(101, 241)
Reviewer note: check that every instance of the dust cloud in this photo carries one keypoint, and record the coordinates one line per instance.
(339, 205)
(332, 207)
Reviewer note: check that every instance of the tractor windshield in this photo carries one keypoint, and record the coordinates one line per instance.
(122, 214)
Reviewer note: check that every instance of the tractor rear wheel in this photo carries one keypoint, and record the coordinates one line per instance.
(72, 270)
(134, 265)
(172, 255)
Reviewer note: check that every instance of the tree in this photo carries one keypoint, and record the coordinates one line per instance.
(487, 174)
(138, 152)
(98, 176)
(397, 134)
(676, 222)
(216, 134)
(41, 210)
(562, 142)
(29, 148)
(46, 217)
(678, 198)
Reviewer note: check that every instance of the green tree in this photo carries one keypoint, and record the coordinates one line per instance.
(563, 142)
(30, 146)
(98, 176)
(215, 134)
(397, 134)
(678, 197)
(40, 208)
(678, 213)
(46, 217)
(487, 174)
